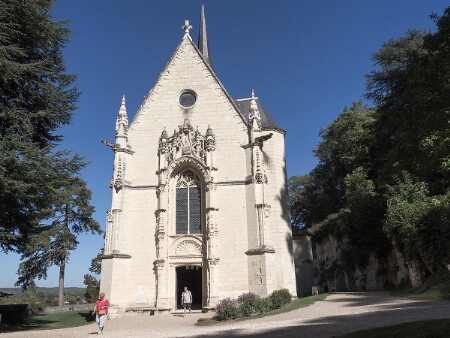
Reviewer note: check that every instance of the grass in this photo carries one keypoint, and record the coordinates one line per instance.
(294, 305)
(426, 328)
(297, 304)
(52, 321)
(435, 287)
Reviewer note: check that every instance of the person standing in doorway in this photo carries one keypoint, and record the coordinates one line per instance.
(101, 311)
(186, 300)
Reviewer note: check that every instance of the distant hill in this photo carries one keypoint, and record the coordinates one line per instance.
(44, 289)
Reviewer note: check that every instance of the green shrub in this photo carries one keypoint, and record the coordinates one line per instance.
(278, 298)
(263, 305)
(14, 313)
(227, 309)
(248, 304)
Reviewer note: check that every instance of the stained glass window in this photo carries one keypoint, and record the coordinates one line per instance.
(187, 99)
(188, 204)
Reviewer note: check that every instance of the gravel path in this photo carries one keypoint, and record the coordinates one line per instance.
(338, 314)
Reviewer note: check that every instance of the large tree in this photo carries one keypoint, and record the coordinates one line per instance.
(70, 216)
(412, 90)
(383, 172)
(412, 93)
(345, 146)
(37, 97)
(338, 197)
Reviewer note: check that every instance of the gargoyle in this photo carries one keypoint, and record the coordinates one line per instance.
(259, 141)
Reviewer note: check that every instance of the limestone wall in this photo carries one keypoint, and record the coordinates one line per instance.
(304, 266)
(334, 275)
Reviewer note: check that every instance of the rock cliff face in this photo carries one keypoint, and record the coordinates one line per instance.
(333, 274)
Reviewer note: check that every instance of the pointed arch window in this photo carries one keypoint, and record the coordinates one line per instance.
(188, 204)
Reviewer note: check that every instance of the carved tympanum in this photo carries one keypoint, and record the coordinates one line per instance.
(188, 248)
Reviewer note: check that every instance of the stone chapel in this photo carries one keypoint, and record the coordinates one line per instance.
(199, 193)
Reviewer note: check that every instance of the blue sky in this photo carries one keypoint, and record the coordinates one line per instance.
(306, 61)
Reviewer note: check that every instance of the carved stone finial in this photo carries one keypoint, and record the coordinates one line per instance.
(163, 147)
(122, 119)
(123, 109)
(209, 131)
(210, 139)
(254, 118)
(186, 27)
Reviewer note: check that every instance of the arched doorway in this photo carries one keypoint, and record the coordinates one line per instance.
(190, 276)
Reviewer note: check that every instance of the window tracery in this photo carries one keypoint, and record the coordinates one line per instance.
(188, 203)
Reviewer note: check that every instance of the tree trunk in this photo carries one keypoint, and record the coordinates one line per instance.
(62, 268)
(62, 264)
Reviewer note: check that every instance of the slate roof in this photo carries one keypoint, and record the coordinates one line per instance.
(266, 120)
(203, 37)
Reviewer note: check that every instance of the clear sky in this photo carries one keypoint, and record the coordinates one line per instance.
(306, 60)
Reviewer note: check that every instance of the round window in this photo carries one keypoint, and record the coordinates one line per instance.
(187, 99)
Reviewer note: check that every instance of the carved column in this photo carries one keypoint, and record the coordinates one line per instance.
(121, 151)
(263, 229)
(212, 235)
(108, 235)
(160, 233)
(160, 267)
(261, 258)
(161, 287)
(161, 248)
(115, 237)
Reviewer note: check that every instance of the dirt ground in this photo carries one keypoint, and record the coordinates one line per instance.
(339, 314)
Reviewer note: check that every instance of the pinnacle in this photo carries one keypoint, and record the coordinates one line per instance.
(123, 109)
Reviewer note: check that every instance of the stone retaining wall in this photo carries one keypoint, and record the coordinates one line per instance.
(68, 307)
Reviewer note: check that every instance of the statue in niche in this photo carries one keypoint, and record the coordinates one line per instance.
(186, 143)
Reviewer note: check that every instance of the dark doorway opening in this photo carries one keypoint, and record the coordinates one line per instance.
(190, 276)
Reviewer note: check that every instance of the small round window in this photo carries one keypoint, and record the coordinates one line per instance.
(187, 99)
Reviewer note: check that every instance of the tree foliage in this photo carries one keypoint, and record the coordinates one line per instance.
(406, 205)
(382, 176)
(37, 97)
(411, 89)
(70, 215)
(345, 146)
(91, 282)
(45, 202)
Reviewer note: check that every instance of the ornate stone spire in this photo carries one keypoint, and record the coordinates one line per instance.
(203, 37)
(122, 120)
(254, 118)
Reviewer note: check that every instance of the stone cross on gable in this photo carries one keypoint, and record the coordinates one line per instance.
(186, 27)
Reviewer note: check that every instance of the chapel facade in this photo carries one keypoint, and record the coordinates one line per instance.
(199, 193)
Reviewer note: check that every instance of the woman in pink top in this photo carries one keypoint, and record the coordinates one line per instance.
(101, 311)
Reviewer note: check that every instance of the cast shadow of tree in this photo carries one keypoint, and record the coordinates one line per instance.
(336, 325)
(39, 323)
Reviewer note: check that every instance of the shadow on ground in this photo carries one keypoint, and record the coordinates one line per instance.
(39, 322)
(335, 325)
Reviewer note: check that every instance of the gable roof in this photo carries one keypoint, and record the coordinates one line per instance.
(186, 39)
(241, 106)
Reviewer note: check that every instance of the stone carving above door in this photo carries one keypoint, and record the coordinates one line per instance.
(186, 247)
(186, 142)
